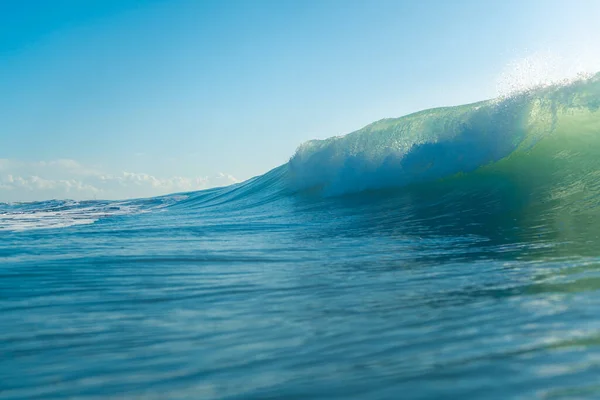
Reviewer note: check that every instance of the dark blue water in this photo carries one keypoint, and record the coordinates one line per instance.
(482, 285)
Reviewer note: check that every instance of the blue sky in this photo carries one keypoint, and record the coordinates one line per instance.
(128, 98)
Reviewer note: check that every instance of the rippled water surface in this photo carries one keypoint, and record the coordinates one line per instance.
(382, 295)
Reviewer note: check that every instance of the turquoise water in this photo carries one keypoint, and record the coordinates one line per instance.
(453, 253)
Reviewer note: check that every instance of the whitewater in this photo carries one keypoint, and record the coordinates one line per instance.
(450, 253)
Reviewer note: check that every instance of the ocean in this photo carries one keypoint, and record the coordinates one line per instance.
(451, 253)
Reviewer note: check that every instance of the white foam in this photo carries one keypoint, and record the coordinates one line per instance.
(65, 213)
(34, 219)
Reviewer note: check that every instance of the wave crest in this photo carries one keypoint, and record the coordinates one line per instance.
(441, 142)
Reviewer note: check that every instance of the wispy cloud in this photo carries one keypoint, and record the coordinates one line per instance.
(66, 178)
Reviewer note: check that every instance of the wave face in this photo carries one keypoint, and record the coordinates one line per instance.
(439, 143)
(452, 253)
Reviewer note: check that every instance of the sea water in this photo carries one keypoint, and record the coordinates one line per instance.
(452, 253)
